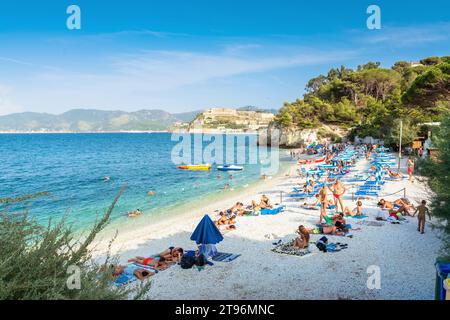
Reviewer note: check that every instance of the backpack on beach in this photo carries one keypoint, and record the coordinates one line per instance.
(187, 261)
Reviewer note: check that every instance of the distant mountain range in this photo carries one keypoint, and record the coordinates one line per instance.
(89, 120)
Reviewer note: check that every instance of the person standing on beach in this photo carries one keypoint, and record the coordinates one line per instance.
(338, 190)
(323, 198)
(410, 166)
(422, 209)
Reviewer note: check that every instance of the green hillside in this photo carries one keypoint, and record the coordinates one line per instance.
(371, 100)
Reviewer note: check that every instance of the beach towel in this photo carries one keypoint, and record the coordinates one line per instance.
(225, 257)
(287, 248)
(128, 276)
(359, 217)
(272, 211)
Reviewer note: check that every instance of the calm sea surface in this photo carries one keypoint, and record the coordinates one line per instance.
(73, 167)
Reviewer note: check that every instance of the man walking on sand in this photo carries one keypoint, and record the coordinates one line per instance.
(410, 165)
(422, 209)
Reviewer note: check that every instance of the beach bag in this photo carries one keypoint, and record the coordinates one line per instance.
(322, 244)
(187, 261)
(200, 260)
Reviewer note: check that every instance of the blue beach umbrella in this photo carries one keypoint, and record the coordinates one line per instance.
(206, 232)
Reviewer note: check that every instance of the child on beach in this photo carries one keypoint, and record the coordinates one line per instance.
(357, 211)
(422, 209)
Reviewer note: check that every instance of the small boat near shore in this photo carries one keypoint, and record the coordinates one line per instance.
(195, 167)
(230, 167)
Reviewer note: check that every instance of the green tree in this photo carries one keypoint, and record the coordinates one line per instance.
(438, 171)
(430, 87)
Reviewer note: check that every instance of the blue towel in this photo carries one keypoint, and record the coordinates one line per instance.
(272, 211)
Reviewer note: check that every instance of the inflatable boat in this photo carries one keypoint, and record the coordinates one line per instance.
(230, 168)
(195, 167)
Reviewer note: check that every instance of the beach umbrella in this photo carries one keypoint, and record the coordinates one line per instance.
(206, 232)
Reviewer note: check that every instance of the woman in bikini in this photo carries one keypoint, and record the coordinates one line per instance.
(160, 264)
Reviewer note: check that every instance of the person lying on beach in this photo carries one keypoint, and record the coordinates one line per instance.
(302, 241)
(393, 174)
(403, 202)
(134, 213)
(326, 229)
(160, 264)
(357, 211)
(226, 227)
(139, 273)
(385, 205)
(172, 254)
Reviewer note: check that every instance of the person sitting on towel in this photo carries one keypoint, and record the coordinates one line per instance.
(225, 220)
(302, 241)
(160, 264)
(238, 209)
(263, 204)
(357, 211)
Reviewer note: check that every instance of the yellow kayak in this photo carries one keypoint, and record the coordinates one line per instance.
(195, 167)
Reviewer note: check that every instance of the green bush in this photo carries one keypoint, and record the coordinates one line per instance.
(35, 260)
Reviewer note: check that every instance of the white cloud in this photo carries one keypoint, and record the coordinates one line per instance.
(408, 36)
(7, 104)
(144, 78)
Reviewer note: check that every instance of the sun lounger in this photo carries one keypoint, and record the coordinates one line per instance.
(366, 193)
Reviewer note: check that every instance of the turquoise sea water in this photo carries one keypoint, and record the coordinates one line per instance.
(72, 167)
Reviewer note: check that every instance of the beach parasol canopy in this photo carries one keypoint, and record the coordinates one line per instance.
(206, 232)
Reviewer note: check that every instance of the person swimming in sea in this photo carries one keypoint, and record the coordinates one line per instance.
(134, 213)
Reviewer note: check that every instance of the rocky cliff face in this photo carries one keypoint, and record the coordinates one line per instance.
(294, 137)
(289, 137)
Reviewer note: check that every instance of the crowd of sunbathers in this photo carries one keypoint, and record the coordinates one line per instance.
(144, 267)
(227, 218)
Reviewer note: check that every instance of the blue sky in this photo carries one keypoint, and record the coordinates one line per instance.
(189, 55)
